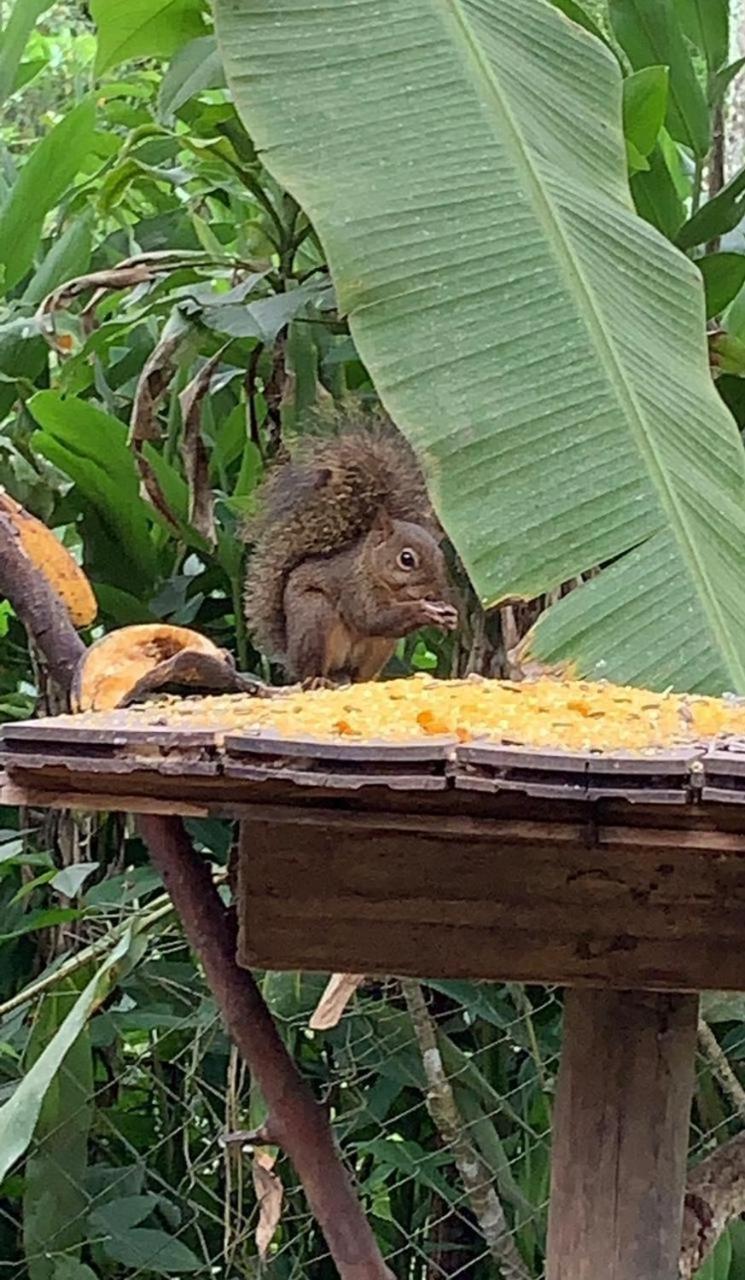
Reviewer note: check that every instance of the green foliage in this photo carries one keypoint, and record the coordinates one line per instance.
(587, 271)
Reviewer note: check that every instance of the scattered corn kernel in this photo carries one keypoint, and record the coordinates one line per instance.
(544, 713)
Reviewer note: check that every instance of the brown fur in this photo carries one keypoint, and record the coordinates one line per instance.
(326, 497)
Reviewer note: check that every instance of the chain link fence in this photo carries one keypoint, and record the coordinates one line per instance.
(135, 1164)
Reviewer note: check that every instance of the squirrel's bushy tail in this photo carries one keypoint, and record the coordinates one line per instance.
(328, 495)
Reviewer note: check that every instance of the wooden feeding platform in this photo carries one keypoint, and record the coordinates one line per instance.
(617, 873)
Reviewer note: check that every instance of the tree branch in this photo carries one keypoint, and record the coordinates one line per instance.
(715, 1195)
(296, 1121)
(475, 1177)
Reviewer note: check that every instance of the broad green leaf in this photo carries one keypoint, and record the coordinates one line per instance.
(720, 214)
(578, 14)
(656, 197)
(717, 1265)
(42, 182)
(18, 1116)
(542, 347)
(706, 24)
(144, 28)
(650, 35)
(644, 105)
(197, 66)
(122, 1213)
(724, 276)
(55, 1199)
(68, 256)
(70, 880)
(13, 40)
(90, 447)
(720, 82)
(146, 1249)
(67, 1268)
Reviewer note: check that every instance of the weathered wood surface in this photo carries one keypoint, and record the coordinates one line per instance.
(620, 1136)
(478, 861)
(460, 897)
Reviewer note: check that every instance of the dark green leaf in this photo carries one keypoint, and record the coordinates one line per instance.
(717, 216)
(649, 33)
(656, 198)
(579, 15)
(90, 447)
(706, 24)
(150, 1250)
(197, 66)
(67, 1268)
(724, 276)
(43, 180)
(118, 1215)
(721, 81)
(644, 106)
(144, 28)
(68, 256)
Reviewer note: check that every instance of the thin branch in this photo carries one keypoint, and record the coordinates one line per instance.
(443, 1109)
(721, 1070)
(295, 1120)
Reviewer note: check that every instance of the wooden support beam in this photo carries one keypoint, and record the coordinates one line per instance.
(621, 1135)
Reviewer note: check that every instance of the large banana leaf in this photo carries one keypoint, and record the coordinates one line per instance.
(540, 345)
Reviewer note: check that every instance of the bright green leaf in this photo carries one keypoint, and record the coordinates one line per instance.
(144, 28)
(19, 1115)
(42, 182)
(551, 282)
(724, 276)
(650, 35)
(644, 106)
(197, 66)
(55, 1199)
(15, 34)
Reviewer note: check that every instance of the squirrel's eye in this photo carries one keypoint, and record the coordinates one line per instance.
(407, 558)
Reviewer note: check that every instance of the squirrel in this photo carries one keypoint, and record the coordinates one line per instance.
(346, 555)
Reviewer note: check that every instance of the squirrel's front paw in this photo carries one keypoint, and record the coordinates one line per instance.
(437, 614)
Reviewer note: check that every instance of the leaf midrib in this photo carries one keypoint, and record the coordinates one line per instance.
(579, 286)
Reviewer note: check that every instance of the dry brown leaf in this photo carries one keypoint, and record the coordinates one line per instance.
(53, 560)
(338, 992)
(157, 374)
(269, 1193)
(155, 379)
(196, 461)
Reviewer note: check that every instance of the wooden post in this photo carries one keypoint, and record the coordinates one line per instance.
(621, 1135)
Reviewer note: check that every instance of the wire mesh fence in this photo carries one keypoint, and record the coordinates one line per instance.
(136, 1167)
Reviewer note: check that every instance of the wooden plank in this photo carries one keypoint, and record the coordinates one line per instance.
(620, 1136)
(442, 896)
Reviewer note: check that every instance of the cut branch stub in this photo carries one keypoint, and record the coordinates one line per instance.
(130, 664)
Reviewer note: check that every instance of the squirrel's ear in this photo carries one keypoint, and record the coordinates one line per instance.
(383, 525)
